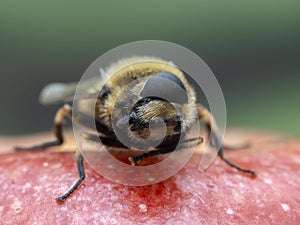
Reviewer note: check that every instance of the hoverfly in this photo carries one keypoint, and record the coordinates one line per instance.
(144, 105)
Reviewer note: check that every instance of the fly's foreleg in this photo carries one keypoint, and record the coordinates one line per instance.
(81, 172)
(164, 150)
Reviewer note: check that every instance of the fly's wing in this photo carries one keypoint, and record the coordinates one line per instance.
(56, 93)
(64, 92)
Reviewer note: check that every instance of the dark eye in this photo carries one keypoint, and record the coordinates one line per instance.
(166, 86)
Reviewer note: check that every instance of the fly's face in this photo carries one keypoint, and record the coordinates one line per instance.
(152, 108)
(156, 116)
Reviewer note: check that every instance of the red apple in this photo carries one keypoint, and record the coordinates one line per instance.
(30, 182)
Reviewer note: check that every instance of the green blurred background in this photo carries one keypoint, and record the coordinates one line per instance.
(252, 47)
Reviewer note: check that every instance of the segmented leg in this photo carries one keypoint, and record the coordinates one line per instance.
(206, 116)
(91, 137)
(65, 111)
(115, 143)
(164, 150)
(81, 172)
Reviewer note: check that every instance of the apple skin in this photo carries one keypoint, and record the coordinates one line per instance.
(30, 182)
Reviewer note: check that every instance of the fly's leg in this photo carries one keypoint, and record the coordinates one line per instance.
(164, 150)
(206, 116)
(80, 166)
(65, 111)
(79, 160)
(61, 114)
(134, 160)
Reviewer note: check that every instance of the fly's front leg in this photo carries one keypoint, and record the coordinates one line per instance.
(79, 160)
(81, 172)
(167, 149)
(206, 116)
(61, 114)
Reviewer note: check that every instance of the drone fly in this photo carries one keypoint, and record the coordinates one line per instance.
(143, 106)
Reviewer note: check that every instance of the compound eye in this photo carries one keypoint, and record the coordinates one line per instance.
(166, 86)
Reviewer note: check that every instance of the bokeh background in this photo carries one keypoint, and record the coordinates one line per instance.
(252, 47)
